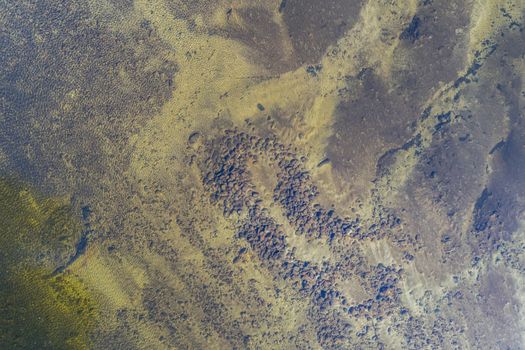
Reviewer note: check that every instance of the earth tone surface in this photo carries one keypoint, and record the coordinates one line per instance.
(277, 174)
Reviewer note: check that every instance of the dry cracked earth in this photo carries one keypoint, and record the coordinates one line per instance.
(272, 174)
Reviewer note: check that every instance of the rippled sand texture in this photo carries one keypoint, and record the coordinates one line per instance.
(288, 174)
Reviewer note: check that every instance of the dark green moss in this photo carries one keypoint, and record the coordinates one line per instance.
(42, 312)
(39, 310)
(35, 229)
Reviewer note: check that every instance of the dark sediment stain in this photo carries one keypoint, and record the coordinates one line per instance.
(315, 25)
(432, 49)
(491, 300)
(371, 113)
(251, 25)
(310, 27)
(259, 32)
(498, 213)
(453, 173)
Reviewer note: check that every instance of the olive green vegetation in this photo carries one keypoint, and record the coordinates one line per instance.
(39, 310)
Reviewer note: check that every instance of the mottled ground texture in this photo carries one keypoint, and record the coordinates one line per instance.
(274, 174)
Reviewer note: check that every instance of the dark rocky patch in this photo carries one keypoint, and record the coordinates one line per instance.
(411, 32)
(228, 180)
(194, 137)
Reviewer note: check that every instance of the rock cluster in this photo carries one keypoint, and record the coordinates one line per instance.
(227, 177)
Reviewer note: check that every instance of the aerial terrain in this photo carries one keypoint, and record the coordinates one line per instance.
(262, 174)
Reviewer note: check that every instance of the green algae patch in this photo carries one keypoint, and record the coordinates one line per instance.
(42, 312)
(35, 229)
(38, 309)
